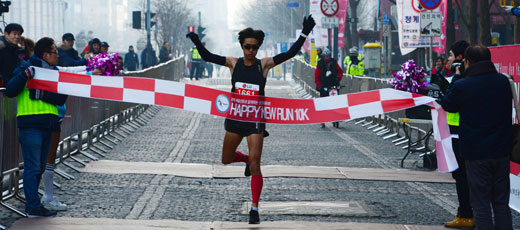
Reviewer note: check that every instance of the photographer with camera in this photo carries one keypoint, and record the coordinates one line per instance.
(464, 216)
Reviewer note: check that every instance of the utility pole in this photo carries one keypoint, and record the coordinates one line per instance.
(148, 23)
(199, 18)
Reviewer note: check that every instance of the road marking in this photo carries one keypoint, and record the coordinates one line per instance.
(66, 223)
(180, 149)
(221, 171)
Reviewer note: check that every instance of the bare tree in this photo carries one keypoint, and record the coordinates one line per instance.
(450, 27)
(485, 23)
(173, 19)
(274, 18)
(469, 18)
(354, 29)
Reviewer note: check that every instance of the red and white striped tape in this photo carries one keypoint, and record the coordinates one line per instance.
(241, 107)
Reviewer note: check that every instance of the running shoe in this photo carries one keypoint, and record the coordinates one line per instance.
(53, 205)
(254, 218)
(41, 212)
(247, 172)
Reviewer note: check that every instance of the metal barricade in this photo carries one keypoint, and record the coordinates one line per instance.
(386, 125)
(89, 125)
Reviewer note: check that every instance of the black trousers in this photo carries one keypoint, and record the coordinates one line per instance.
(461, 183)
(196, 69)
(489, 188)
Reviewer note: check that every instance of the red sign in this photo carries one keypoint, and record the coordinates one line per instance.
(507, 60)
(329, 8)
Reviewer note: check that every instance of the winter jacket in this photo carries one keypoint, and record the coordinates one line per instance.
(484, 101)
(69, 57)
(164, 55)
(18, 83)
(8, 60)
(320, 74)
(131, 61)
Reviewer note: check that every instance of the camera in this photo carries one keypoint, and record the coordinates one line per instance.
(4, 6)
(455, 64)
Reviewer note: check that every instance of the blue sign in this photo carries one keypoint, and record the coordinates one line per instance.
(283, 47)
(292, 5)
(430, 4)
(386, 20)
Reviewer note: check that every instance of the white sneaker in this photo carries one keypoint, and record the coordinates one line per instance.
(54, 205)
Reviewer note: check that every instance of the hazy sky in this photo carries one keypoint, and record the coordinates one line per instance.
(234, 7)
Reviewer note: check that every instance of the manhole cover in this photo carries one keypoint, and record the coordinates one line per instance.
(318, 208)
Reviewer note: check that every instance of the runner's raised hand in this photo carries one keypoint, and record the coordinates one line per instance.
(308, 24)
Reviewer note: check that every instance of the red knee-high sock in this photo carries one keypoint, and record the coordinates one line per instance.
(241, 157)
(256, 187)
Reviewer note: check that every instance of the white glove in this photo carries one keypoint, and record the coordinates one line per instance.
(507, 9)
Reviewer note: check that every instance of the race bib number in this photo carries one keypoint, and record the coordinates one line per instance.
(246, 89)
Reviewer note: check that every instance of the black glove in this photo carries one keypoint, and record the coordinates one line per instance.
(193, 36)
(28, 73)
(308, 24)
(36, 94)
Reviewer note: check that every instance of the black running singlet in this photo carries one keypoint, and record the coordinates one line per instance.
(248, 80)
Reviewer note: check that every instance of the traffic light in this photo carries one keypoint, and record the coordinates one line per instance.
(200, 32)
(190, 29)
(136, 19)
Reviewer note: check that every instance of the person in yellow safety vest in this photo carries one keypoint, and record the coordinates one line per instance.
(347, 58)
(37, 117)
(354, 66)
(464, 217)
(196, 64)
(318, 55)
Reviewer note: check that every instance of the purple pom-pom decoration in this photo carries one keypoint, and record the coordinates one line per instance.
(107, 63)
(410, 78)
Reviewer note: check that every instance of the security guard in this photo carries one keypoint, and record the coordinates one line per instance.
(347, 58)
(355, 66)
(37, 117)
(196, 64)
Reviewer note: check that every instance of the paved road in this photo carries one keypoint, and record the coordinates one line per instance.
(155, 199)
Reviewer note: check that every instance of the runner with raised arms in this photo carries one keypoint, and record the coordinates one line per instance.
(248, 77)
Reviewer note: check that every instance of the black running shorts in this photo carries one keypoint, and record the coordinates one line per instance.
(245, 129)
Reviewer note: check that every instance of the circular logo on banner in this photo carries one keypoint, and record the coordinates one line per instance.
(222, 103)
(329, 8)
(430, 4)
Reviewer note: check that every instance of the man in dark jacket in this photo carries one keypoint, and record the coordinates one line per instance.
(37, 117)
(131, 60)
(68, 55)
(164, 54)
(9, 51)
(483, 99)
(148, 57)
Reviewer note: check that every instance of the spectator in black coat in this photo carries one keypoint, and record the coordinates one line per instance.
(9, 51)
(164, 54)
(68, 56)
(131, 60)
(148, 57)
(483, 99)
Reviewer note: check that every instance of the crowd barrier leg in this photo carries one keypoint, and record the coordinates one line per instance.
(81, 150)
(115, 125)
(69, 155)
(90, 145)
(60, 158)
(110, 130)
